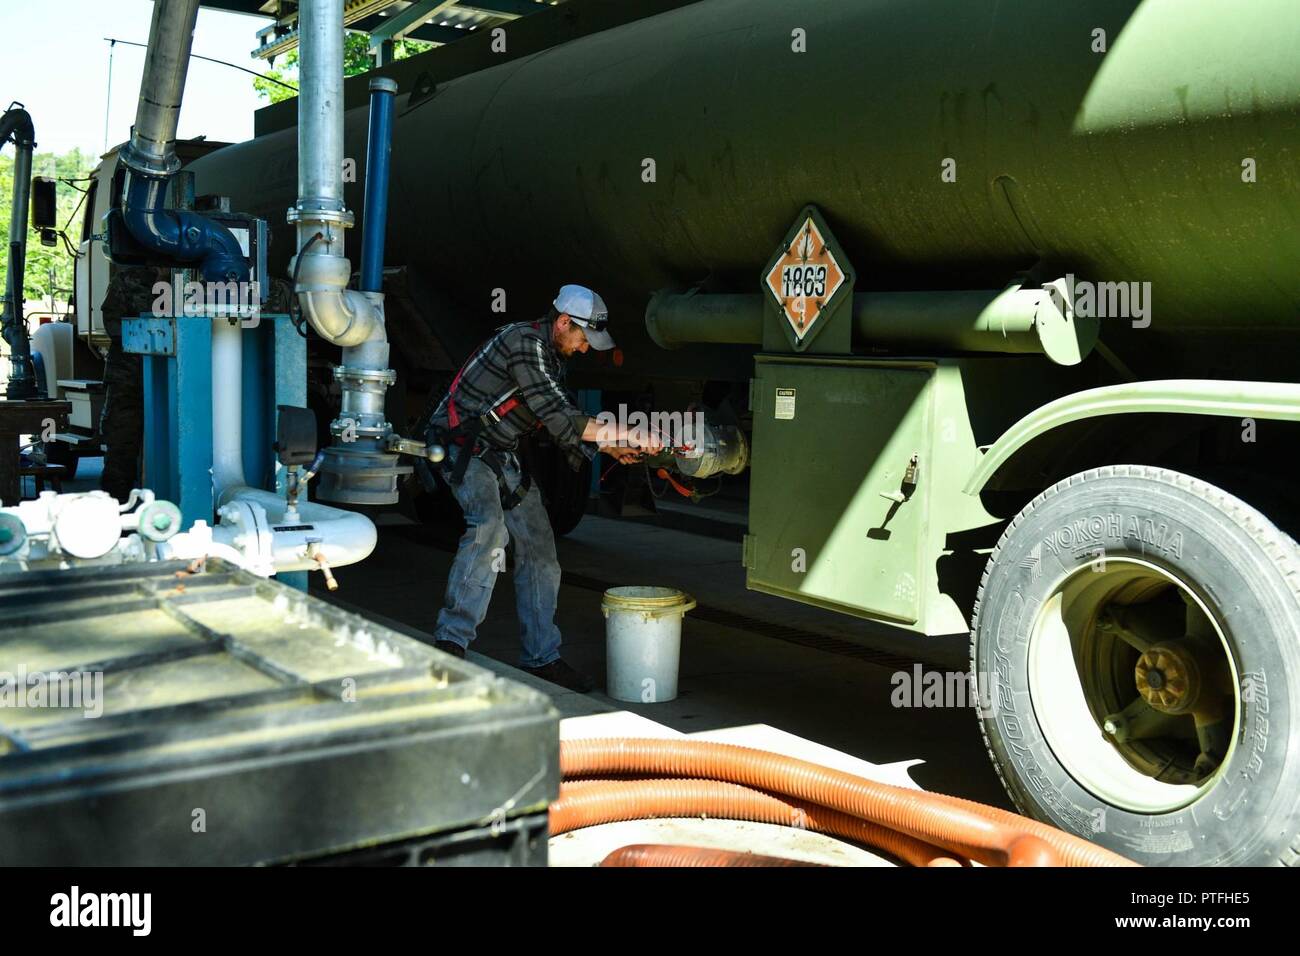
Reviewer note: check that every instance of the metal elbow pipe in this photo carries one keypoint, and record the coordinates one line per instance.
(362, 465)
(150, 157)
(17, 122)
(339, 315)
(343, 316)
(272, 539)
(180, 234)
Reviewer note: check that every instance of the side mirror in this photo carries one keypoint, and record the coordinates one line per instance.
(45, 203)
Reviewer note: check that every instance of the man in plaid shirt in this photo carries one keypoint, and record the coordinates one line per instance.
(512, 386)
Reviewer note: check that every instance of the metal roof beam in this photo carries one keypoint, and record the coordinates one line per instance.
(353, 11)
(408, 20)
(504, 9)
(437, 34)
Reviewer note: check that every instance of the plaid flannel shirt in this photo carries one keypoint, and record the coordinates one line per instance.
(519, 356)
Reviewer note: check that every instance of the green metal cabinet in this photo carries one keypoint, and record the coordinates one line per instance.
(858, 468)
(832, 520)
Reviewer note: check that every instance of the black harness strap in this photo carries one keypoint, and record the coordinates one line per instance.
(509, 499)
(494, 459)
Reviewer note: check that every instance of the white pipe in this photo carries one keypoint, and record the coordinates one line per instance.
(227, 410)
(345, 537)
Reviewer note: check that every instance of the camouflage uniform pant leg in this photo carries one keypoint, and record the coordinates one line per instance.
(121, 425)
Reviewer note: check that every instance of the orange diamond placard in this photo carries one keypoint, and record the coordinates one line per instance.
(804, 278)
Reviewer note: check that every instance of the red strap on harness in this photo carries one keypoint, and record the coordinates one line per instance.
(500, 411)
(453, 418)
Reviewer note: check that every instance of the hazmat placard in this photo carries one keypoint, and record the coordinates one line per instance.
(804, 278)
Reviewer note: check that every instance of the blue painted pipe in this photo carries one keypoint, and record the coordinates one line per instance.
(379, 147)
(179, 234)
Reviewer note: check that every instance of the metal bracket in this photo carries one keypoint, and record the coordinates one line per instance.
(147, 335)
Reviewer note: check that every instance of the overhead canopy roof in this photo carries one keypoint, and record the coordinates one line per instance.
(434, 21)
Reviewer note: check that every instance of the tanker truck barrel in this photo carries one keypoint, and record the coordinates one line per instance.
(960, 141)
(1008, 321)
(949, 143)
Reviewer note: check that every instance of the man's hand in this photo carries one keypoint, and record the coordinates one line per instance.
(606, 436)
(646, 439)
(622, 454)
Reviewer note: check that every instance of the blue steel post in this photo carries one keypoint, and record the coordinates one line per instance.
(378, 149)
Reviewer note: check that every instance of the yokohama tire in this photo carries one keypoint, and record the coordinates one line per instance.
(1228, 563)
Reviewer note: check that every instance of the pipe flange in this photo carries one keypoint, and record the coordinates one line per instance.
(13, 534)
(381, 430)
(339, 217)
(159, 520)
(154, 167)
(382, 376)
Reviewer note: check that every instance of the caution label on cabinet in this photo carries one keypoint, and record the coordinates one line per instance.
(785, 403)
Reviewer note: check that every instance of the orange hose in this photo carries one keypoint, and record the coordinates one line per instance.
(586, 803)
(989, 835)
(659, 854)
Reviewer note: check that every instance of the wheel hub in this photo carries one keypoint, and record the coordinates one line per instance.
(1168, 679)
(1133, 686)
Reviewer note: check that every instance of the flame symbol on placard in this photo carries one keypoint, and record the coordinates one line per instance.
(805, 251)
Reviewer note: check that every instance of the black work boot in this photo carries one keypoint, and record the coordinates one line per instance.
(558, 672)
(450, 647)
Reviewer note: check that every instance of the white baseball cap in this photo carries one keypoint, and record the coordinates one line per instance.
(587, 310)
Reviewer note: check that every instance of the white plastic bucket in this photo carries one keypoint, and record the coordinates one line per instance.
(643, 642)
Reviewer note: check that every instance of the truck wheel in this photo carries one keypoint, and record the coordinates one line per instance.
(1136, 647)
(564, 491)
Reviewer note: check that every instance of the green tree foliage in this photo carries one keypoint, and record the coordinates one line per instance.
(50, 269)
(356, 59)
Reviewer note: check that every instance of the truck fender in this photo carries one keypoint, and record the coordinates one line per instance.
(1229, 399)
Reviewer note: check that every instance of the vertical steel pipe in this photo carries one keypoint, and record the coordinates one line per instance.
(320, 106)
(22, 379)
(166, 63)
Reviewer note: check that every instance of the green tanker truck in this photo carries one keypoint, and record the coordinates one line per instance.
(1012, 289)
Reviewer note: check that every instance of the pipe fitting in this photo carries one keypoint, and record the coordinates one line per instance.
(180, 234)
(343, 317)
(150, 157)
